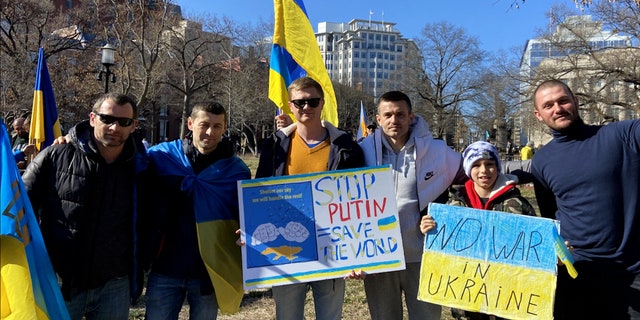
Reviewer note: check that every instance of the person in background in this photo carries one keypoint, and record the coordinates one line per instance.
(306, 146)
(20, 135)
(423, 169)
(145, 143)
(196, 216)
(588, 177)
(371, 128)
(526, 153)
(20, 145)
(85, 194)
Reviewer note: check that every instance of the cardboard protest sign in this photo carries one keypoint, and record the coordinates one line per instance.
(493, 262)
(319, 226)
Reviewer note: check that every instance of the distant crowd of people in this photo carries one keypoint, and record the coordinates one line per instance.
(112, 209)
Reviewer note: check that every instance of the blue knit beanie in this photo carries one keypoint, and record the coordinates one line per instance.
(477, 151)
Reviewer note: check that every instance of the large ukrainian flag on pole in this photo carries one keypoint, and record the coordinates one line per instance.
(45, 126)
(295, 54)
(28, 286)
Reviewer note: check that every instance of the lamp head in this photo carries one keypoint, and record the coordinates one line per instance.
(108, 53)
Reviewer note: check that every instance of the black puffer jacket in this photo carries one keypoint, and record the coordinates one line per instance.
(88, 210)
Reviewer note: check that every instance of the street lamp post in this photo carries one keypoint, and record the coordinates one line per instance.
(108, 53)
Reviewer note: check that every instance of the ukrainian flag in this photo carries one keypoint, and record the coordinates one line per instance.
(215, 201)
(28, 286)
(45, 126)
(362, 124)
(295, 54)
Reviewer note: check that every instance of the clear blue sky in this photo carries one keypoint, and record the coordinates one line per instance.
(493, 22)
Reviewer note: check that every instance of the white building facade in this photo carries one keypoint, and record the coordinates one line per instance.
(364, 54)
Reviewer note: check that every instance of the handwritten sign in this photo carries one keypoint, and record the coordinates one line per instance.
(319, 226)
(493, 262)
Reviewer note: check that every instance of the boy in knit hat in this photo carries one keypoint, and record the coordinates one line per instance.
(488, 189)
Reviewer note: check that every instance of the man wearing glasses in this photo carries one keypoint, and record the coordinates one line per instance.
(306, 146)
(85, 193)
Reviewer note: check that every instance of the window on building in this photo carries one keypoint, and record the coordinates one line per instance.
(378, 36)
(356, 44)
(372, 54)
(385, 37)
(392, 57)
(378, 46)
(392, 38)
(356, 64)
(372, 64)
(380, 55)
(356, 54)
(399, 48)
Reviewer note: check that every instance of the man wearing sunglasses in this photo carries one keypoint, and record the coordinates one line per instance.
(306, 146)
(85, 193)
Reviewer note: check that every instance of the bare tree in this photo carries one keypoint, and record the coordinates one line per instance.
(26, 26)
(582, 4)
(603, 70)
(349, 100)
(451, 60)
(194, 53)
(495, 105)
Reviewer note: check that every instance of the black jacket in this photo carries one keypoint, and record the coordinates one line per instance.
(88, 211)
(344, 153)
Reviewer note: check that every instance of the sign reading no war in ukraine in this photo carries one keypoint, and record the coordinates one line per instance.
(493, 262)
(319, 226)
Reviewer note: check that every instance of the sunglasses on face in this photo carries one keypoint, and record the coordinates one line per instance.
(300, 103)
(107, 119)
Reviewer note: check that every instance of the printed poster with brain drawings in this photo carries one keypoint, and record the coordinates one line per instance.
(319, 226)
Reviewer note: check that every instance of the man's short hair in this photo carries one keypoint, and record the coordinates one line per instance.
(395, 96)
(305, 83)
(211, 107)
(548, 84)
(19, 121)
(119, 99)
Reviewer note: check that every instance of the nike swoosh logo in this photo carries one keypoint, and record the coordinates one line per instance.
(429, 175)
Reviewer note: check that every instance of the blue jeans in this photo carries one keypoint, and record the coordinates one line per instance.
(165, 296)
(109, 302)
(328, 296)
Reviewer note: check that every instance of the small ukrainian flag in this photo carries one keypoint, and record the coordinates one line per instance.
(387, 223)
